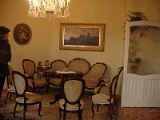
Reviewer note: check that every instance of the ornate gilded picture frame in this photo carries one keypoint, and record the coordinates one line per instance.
(82, 36)
(22, 34)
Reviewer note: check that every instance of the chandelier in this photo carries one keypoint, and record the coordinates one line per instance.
(48, 8)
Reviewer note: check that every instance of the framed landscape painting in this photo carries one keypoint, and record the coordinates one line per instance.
(82, 36)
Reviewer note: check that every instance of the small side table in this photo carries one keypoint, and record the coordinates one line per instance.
(40, 70)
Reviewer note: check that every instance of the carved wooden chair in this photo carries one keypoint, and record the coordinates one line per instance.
(103, 88)
(72, 91)
(10, 85)
(22, 96)
(29, 69)
(92, 79)
(106, 99)
(57, 64)
(79, 64)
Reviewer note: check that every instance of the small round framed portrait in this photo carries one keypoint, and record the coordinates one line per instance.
(22, 34)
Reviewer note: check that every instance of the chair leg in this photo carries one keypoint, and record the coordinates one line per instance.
(47, 88)
(109, 112)
(92, 110)
(10, 96)
(14, 110)
(39, 109)
(80, 114)
(57, 88)
(115, 108)
(97, 108)
(64, 115)
(64, 112)
(33, 90)
(112, 109)
(60, 114)
(24, 111)
(6, 97)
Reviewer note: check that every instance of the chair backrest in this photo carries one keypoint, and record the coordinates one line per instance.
(29, 68)
(20, 82)
(112, 86)
(119, 70)
(117, 73)
(79, 64)
(98, 69)
(58, 64)
(73, 90)
(9, 78)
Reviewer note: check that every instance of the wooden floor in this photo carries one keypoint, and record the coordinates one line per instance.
(141, 113)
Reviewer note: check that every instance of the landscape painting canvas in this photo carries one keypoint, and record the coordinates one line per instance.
(82, 36)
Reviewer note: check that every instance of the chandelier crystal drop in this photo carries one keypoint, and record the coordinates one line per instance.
(48, 8)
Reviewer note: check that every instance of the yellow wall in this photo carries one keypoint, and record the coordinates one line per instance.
(44, 44)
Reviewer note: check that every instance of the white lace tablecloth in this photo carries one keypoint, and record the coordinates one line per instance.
(65, 72)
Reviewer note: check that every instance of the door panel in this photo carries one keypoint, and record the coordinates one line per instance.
(141, 77)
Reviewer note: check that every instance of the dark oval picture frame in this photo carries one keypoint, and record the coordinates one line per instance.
(22, 34)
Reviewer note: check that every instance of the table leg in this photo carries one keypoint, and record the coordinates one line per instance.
(56, 98)
(58, 95)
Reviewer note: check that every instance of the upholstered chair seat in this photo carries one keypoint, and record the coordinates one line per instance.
(101, 99)
(40, 82)
(70, 107)
(31, 98)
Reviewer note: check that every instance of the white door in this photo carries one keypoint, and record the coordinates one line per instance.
(141, 76)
